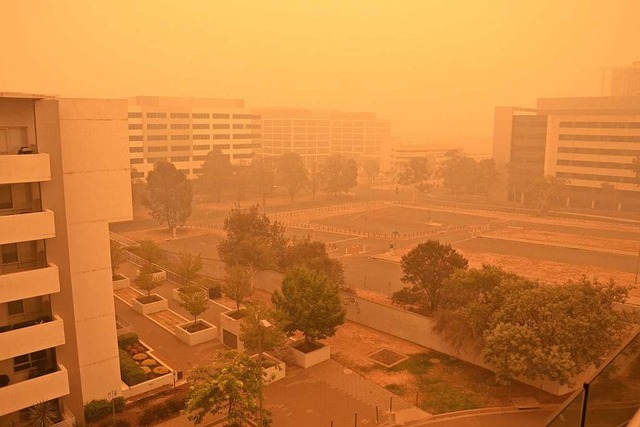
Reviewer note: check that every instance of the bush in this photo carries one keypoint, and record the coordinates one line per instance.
(148, 416)
(118, 404)
(161, 411)
(149, 362)
(130, 372)
(160, 370)
(96, 410)
(126, 340)
(215, 291)
(139, 357)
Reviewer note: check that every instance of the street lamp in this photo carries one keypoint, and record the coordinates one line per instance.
(112, 396)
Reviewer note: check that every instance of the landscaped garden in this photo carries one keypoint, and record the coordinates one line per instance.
(136, 365)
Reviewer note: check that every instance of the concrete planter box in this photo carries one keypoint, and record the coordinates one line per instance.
(175, 294)
(275, 372)
(121, 282)
(157, 276)
(152, 307)
(311, 358)
(195, 338)
(230, 328)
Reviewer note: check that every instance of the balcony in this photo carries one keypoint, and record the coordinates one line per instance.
(30, 336)
(16, 168)
(26, 227)
(29, 283)
(20, 395)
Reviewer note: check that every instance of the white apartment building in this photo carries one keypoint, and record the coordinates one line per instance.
(64, 175)
(315, 134)
(184, 130)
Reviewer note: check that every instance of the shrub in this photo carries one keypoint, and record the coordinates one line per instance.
(96, 410)
(130, 372)
(146, 369)
(160, 370)
(161, 411)
(149, 362)
(126, 340)
(118, 404)
(140, 356)
(123, 423)
(148, 416)
(215, 291)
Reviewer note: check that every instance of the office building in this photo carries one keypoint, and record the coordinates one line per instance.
(184, 130)
(592, 142)
(316, 134)
(621, 81)
(64, 175)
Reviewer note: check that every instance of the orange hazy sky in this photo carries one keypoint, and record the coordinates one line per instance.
(436, 68)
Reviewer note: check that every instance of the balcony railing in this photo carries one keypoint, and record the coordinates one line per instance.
(27, 227)
(24, 394)
(29, 283)
(31, 336)
(16, 168)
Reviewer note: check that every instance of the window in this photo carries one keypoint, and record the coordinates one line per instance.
(15, 308)
(156, 126)
(135, 149)
(201, 137)
(241, 146)
(201, 125)
(179, 137)
(243, 156)
(28, 361)
(135, 115)
(135, 137)
(197, 158)
(242, 136)
(9, 253)
(238, 126)
(136, 174)
(221, 136)
(200, 115)
(156, 137)
(5, 197)
(136, 161)
(202, 147)
(135, 126)
(612, 138)
(219, 116)
(220, 126)
(180, 148)
(156, 115)
(180, 159)
(156, 149)
(180, 126)
(246, 116)
(179, 115)
(222, 146)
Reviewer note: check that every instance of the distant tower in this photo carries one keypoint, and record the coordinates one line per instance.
(621, 81)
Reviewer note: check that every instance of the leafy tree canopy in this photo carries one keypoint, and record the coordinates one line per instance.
(195, 300)
(545, 191)
(339, 174)
(262, 172)
(310, 304)
(150, 251)
(216, 172)
(291, 172)
(168, 195)
(117, 255)
(237, 284)
(313, 255)
(189, 266)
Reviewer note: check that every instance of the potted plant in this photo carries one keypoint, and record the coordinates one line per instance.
(195, 301)
(310, 304)
(117, 257)
(238, 287)
(150, 303)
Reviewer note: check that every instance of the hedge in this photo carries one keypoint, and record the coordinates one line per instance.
(130, 372)
(126, 340)
(98, 409)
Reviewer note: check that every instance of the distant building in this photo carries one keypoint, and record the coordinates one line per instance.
(621, 81)
(64, 175)
(183, 130)
(315, 134)
(590, 141)
(401, 155)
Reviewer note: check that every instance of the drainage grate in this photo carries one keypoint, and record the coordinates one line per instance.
(387, 357)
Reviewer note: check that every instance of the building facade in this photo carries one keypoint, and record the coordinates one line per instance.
(64, 175)
(316, 134)
(621, 81)
(183, 130)
(592, 142)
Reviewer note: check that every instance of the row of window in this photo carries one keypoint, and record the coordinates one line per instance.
(196, 147)
(197, 137)
(612, 138)
(589, 164)
(186, 158)
(595, 177)
(161, 126)
(604, 151)
(138, 115)
(601, 125)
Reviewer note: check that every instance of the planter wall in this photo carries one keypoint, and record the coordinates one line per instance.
(274, 373)
(157, 276)
(195, 338)
(312, 358)
(152, 307)
(121, 283)
(228, 327)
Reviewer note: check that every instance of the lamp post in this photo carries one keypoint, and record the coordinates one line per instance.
(262, 325)
(112, 396)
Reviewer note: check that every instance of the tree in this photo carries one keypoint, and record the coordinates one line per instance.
(544, 191)
(291, 172)
(635, 167)
(315, 178)
(313, 255)
(309, 303)
(416, 175)
(195, 300)
(451, 171)
(232, 384)
(189, 266)
(168, 195)
(237, 285)
(150, 251)
(240, 176)
(263, 176)
(339, 174)
(425, 268)
(145, 280)
(252, 240)
(117, 256)
(216, 172)
(372, 169)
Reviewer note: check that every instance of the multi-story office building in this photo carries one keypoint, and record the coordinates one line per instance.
(621, 81)
(592, 142)
(184, 130)
(315, 134)
(64, 174)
